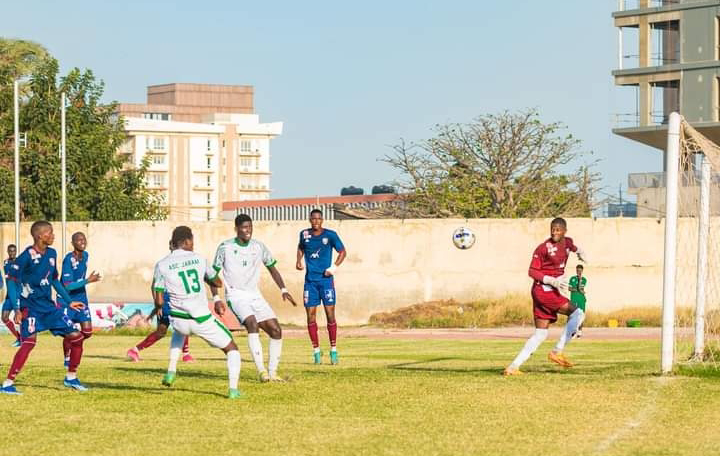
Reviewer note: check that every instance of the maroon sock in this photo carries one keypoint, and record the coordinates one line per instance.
(76, 351)
(20, 357)
(11, 327)
(66, 348)
(149, 340)
(332, 332)
(313, 331)
(186, 346)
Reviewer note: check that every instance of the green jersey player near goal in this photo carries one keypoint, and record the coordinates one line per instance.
(180, 275)
(577, 286)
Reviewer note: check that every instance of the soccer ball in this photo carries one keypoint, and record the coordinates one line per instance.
(463, 238)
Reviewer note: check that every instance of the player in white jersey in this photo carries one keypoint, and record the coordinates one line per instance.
(180, 275)
(241, 259)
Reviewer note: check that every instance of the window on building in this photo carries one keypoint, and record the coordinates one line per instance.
(246, 162)
(209, 181)
(209, 163)
(245, 146)
(209, 198)
(223, 143)
(157, 116)
(208, 215)
(665, 39)
(158, 159)
(155, 143)
(665, 99)
(157, 180)
(224, 162)
(209, 145)
(224, 179)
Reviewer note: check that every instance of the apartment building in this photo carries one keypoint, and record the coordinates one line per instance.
(668, 60)
(204, 146)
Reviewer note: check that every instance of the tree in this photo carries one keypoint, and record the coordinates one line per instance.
(19, 58)
(500, 165)
(99, 185)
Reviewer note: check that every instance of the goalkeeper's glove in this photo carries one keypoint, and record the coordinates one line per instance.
(559, 283)
(582, 256)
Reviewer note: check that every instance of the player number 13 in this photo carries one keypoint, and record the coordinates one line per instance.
(193, 276)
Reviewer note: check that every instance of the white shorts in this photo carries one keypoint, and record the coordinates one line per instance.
(210, 330)
(243, 306)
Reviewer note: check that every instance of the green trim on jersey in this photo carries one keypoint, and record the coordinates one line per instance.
(187, 316)
(241, 244)
(159, 290)
(222, 326)
(272, 263)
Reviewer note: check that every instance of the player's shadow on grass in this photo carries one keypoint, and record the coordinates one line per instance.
(114, 358)
(145, 389)
(417, 366)
(160, 372)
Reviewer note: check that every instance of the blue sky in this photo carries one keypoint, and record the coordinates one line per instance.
(349, 79)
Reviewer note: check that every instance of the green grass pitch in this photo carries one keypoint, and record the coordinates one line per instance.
(387, 397)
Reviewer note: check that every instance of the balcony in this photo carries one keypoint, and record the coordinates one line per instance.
(629, 5)
(247, 170)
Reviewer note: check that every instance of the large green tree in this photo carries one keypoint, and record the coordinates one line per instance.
(100, 183)
(505, 165)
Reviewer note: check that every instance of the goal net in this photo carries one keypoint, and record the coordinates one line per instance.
(691, 286)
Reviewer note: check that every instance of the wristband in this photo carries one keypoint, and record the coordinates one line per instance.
(283, 290)
(216, 299)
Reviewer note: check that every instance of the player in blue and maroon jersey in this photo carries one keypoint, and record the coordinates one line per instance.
(8, 306)
(546, 269)
(74, 270)
(316, 245)
(31, 280)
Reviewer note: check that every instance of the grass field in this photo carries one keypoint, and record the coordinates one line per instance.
(387, 397)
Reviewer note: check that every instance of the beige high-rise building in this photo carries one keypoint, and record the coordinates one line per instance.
(204, 146)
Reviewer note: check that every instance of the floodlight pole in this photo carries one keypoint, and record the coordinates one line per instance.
(16, 110)
(64, 180)
(671, 219)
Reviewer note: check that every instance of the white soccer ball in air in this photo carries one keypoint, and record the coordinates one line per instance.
(463, 238)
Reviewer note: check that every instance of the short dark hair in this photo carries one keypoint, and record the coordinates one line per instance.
(559, 221)
(181, 234)
(242, 218)
(76, 234)
(316, 211)
(579, 266)
(12, 246)
(38, 225)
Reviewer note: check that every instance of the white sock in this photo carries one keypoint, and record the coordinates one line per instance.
(530, 346)
(175, 349)
(233, 365)
(316, 350)
(574, 321)
(333, 349)
(7, 383)
(275, 350)
(256, 351)
(70, 375)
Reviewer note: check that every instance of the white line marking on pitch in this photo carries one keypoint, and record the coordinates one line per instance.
(648, 408)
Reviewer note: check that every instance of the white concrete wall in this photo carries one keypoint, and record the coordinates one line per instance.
(394, 263)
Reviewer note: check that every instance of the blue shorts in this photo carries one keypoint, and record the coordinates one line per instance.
(54, 321)
(165, 319)
(78, 316)
(316, 292)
